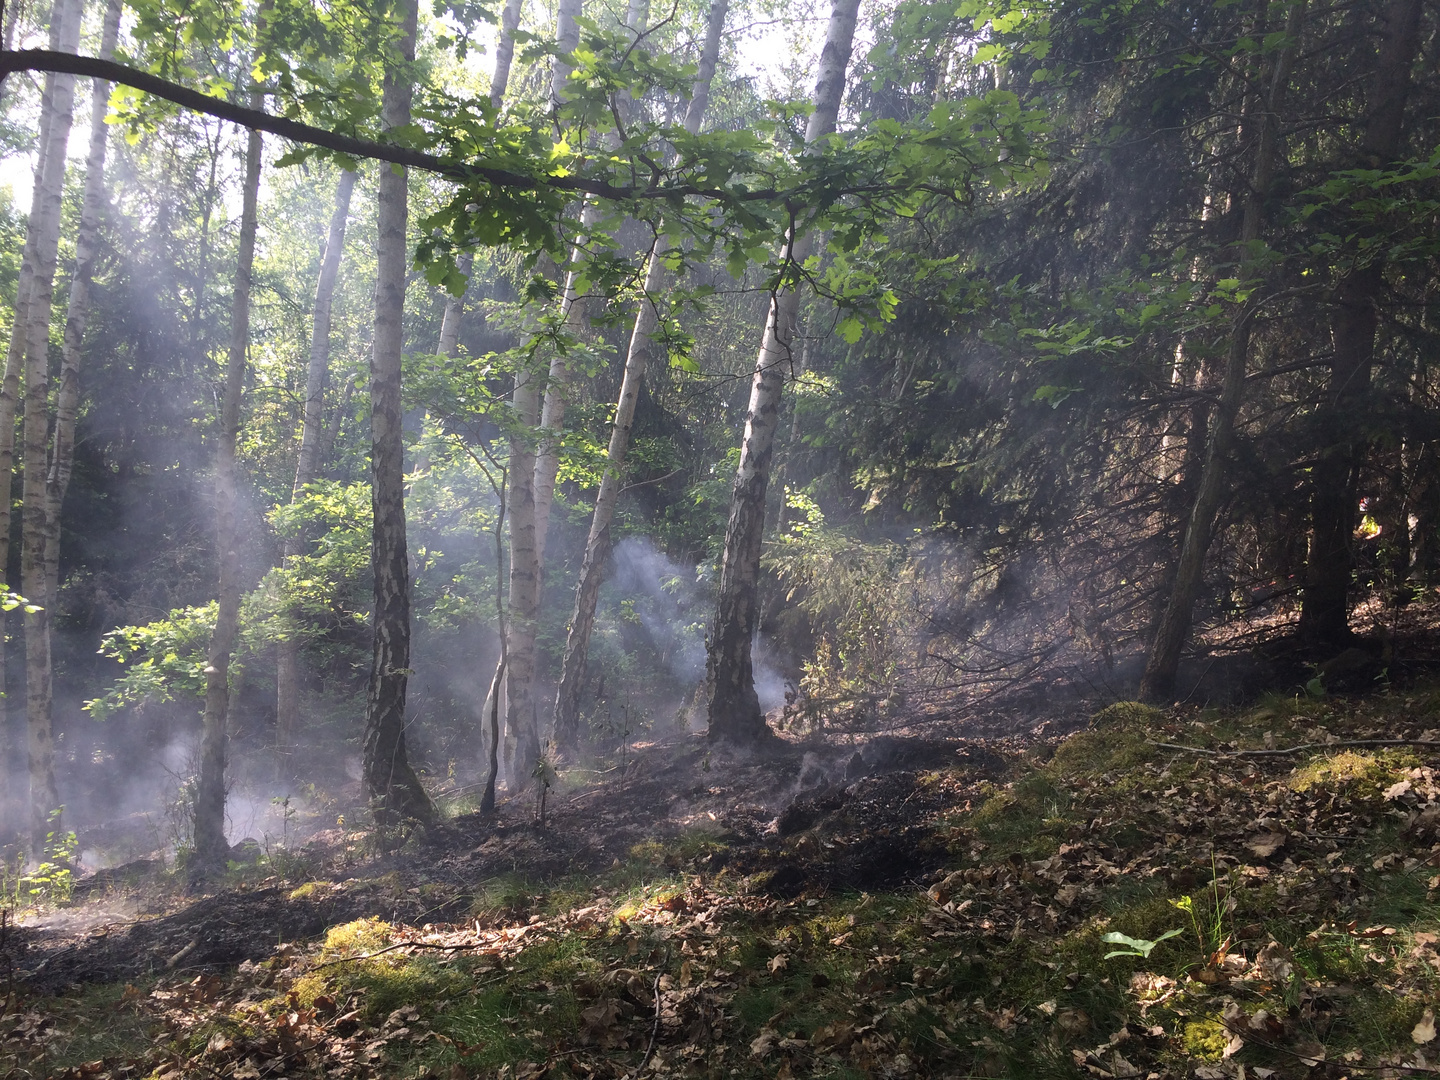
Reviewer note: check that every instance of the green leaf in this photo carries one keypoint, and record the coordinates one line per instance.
(1141, 947)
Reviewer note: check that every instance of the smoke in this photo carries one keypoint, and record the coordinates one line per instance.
(667, 603)
(675, 612)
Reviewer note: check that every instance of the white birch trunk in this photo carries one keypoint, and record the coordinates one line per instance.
(454, 308)
(505, 51)
(597, 544)
(394, 788)
(521, 738)
(522, 741)
(567, 37)
(575, 319)
(35, 329)
(734, 708)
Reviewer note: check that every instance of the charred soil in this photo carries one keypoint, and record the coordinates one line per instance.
(1196, 892)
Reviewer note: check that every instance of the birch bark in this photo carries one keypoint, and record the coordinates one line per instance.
(522, 739)
(34, 346)
(598, 542)
(394, 788)
(505, 51)
(733, 707)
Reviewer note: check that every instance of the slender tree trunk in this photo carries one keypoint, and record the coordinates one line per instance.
(567, 37)
(454, 308)
(449, 341)
(497, 683)
(45, 213)
(211, 848)
(15, 359)
(1158, 681)
(522, 740)
(499, 81)
(307, 468)
(597, 544)
(575, 317)
(734, 708)
(87, 243)
(393, 786)
(1324, 607)
(505, 52)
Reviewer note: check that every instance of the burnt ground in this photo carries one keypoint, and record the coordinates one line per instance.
(812, 818)
(818, 816)
(903, 909)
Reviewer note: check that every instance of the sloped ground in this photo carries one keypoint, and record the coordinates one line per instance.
(928, 909)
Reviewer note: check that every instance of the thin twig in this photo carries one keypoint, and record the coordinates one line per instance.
(1431, 743)
(1248, 1035)
(654, 1028)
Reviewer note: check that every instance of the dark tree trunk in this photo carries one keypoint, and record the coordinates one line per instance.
(1163, 663)
(1325, 608)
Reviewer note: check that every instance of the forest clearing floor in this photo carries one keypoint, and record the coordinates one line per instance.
(902, 908)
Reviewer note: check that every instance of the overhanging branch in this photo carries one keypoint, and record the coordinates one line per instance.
(91, 67)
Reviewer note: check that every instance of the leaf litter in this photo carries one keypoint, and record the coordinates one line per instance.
(946, 913)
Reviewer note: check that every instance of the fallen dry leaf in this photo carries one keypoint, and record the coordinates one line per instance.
(1265, 844)
(1273, 964)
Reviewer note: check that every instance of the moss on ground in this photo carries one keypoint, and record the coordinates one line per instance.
(1002, 972)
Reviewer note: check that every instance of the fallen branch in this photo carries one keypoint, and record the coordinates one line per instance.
(1302, 748)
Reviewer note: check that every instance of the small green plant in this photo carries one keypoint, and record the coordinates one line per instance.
(1207, 919)
(1141, 947)
(545, 777)
(278, 856)
(53, 881)
(12, 883)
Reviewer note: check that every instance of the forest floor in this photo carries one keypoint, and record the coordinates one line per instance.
(895, 908)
